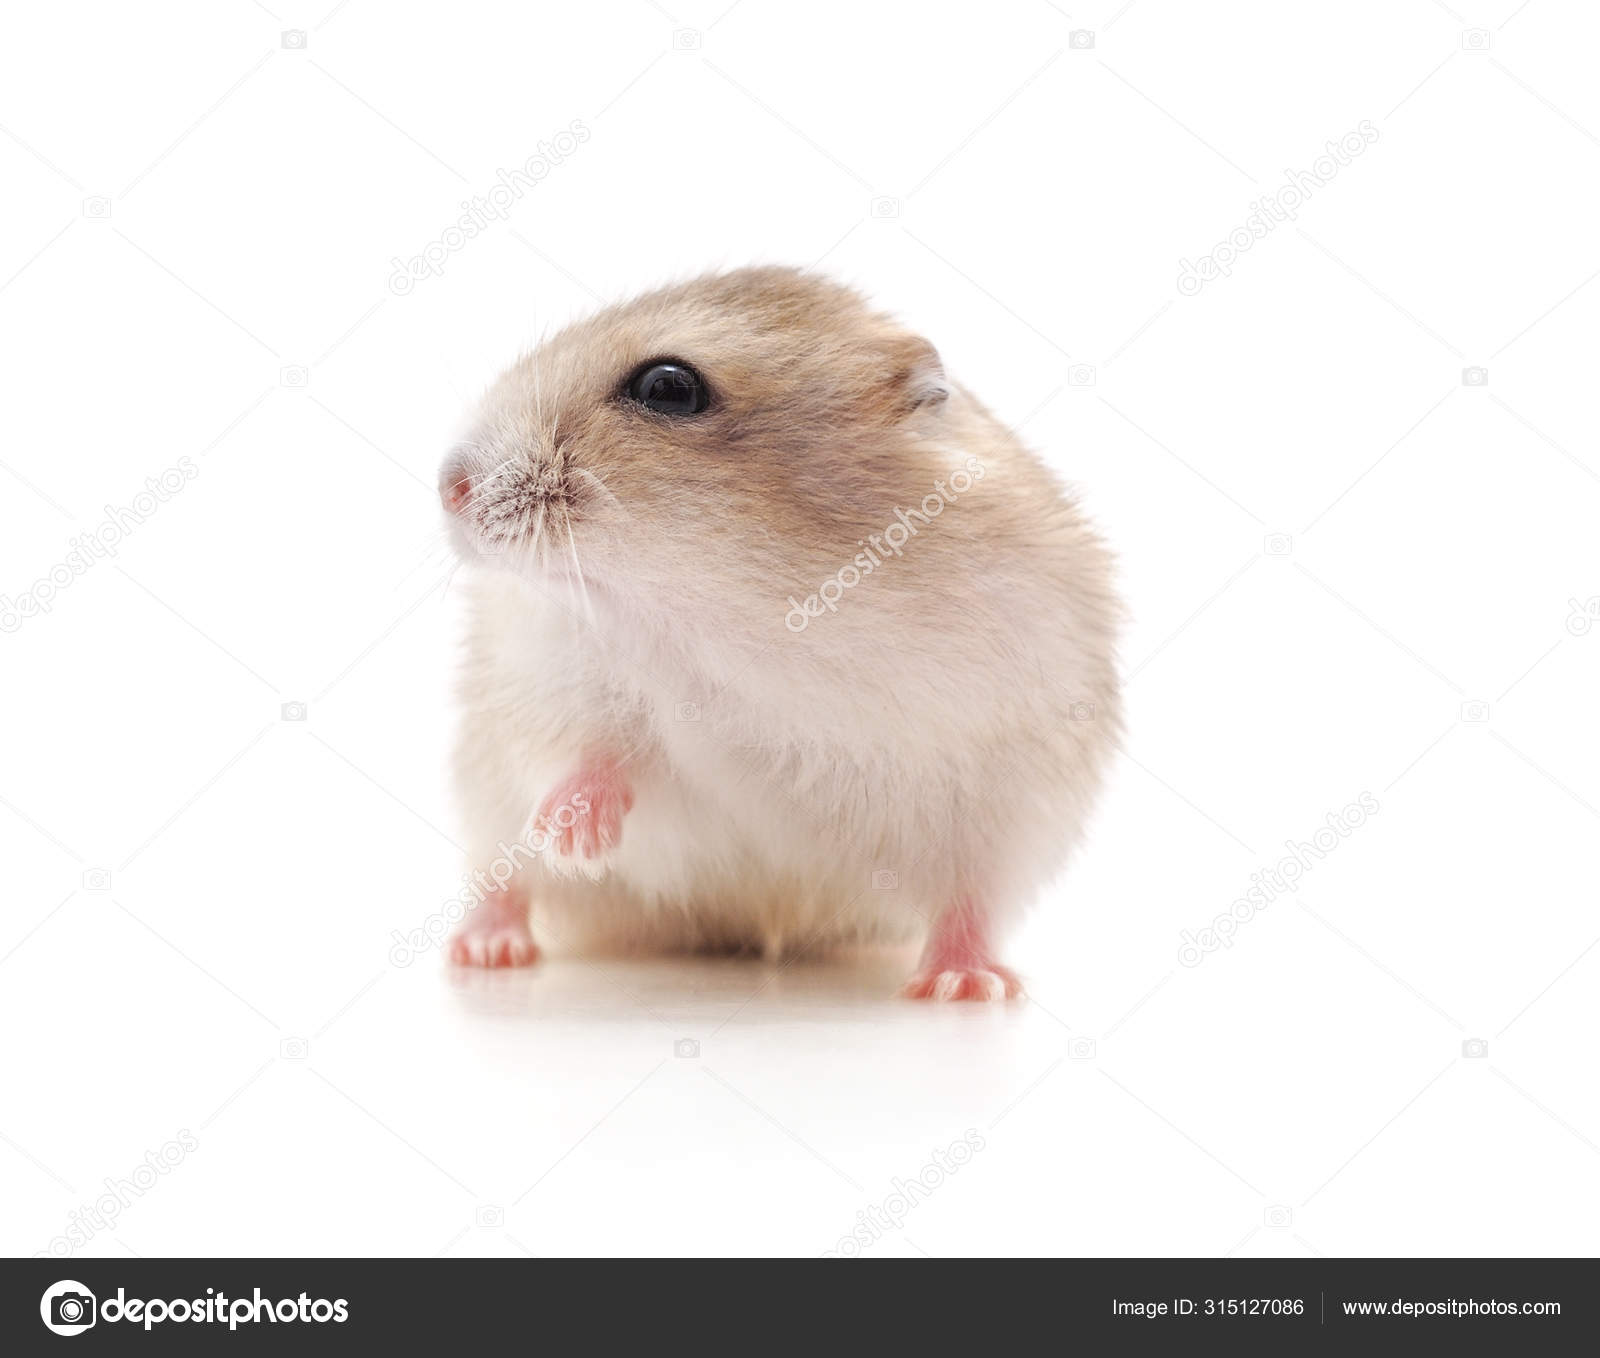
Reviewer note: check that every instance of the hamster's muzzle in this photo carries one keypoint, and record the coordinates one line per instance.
(512, 501)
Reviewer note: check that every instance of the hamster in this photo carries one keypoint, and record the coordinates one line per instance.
(777, 640)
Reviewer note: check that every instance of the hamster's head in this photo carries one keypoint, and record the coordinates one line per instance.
(724, 441)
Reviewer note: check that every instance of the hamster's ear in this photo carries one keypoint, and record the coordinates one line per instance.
(917, 374)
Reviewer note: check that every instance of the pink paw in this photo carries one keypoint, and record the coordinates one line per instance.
(495, 934)
(508, 945)
(583, 814)
(987, 982)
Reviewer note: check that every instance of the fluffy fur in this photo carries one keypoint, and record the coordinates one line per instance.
(927, 750)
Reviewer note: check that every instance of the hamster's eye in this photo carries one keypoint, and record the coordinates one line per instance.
(669, 389)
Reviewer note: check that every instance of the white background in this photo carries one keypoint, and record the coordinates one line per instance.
(199, 894)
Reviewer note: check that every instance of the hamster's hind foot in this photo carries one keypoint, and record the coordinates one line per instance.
(956, 964)
(992, 982)
(496, 933)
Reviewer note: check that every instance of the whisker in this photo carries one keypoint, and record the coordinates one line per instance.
(538, 383)
(538, 536)
(486, 491)
(583, 585)
(590, 478)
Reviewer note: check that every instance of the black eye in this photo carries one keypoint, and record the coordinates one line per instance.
(669, 389)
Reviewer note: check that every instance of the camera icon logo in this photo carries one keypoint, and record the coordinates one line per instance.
(1277, 544)
(97, 879)
(687, 711)
(884, 208)
(1476, 39)
(1083, 712)
(1080, 375)
(1081, 1049)
(68, 1307)
(686, 39)
(295, 375)
(491, 1218)
(1474, 377)
(1081, 39)
(293, 712)
(885, 879)
(1475, 712)
(98, 206)
(1278, 1218)
(1475, 1048)
(686, 1049)
(294, 1049)
(293, 39)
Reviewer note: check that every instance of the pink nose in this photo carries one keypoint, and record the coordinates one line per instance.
(455, 487)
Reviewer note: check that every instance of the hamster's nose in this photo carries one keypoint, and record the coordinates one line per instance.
(455, 485)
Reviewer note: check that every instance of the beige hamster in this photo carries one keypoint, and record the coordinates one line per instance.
(777, 640)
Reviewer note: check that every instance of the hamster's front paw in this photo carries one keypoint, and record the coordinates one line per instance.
(495, 934)
(988, 982)
(583, 815)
